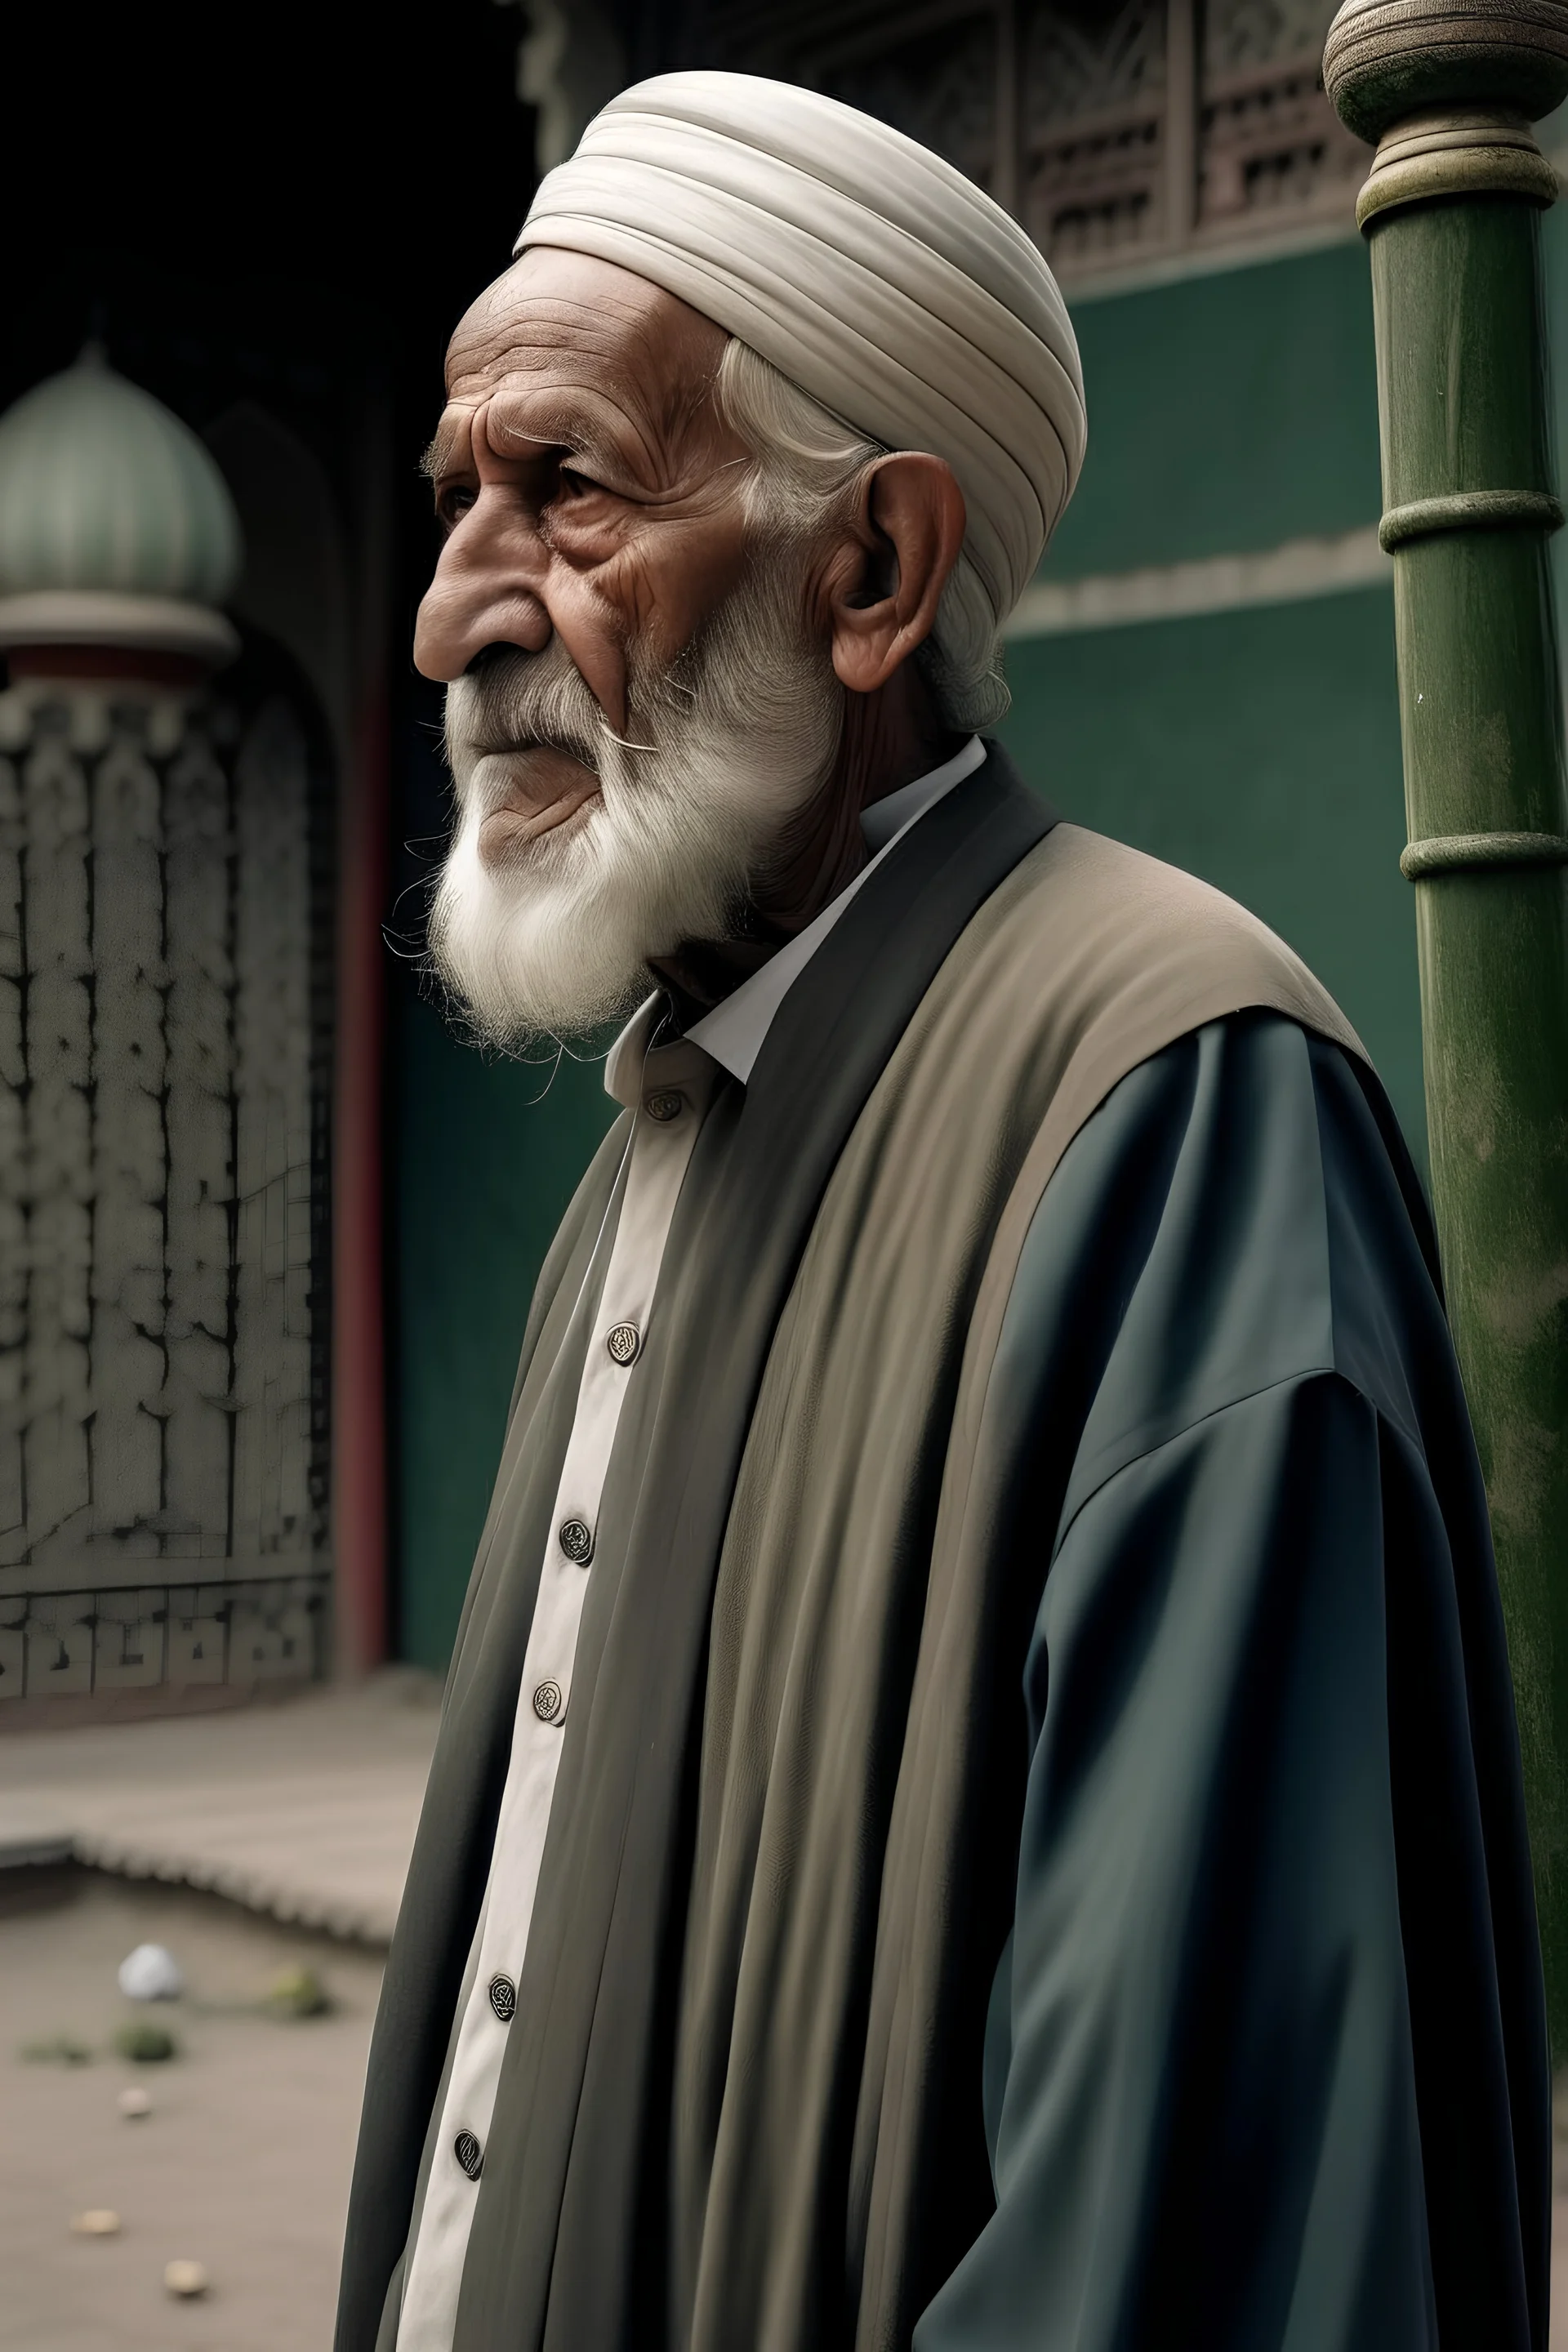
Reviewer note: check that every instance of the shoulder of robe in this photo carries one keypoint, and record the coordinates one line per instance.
(1107, 959)
(1133, 955)
(1089, 960)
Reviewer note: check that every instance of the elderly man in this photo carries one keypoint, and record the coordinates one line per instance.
(977, 1804)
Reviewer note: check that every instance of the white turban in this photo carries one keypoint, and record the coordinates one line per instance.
(872, 274)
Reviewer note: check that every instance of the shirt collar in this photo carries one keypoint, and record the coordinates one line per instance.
(732, 1033)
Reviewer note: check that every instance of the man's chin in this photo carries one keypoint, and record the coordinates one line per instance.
(525, 955)
(509, 837)
(541, 794)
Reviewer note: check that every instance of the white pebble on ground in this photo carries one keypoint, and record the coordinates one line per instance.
(98, 2221)
(150, 1973)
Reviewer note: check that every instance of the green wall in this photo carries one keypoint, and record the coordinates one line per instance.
(1228, 413)
(1258, 748)
(1261, 749)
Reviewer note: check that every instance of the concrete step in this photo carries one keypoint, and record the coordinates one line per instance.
(304, 1809)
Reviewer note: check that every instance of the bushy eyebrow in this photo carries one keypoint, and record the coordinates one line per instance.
(437, 454)
(565, 427)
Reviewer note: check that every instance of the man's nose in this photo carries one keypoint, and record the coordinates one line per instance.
(487, 590)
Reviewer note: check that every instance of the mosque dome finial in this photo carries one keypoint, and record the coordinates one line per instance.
(116, 527)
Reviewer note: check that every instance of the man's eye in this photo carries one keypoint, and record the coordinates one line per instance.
(575, 485)
(452, 504)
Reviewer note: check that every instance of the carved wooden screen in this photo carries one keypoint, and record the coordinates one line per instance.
(161, 1190)
(1119, 135)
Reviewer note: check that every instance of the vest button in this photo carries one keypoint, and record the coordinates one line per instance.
(469, 2153)
(576, 1541)
(665, 1105)
(547, 1702)
(623, 1341)
(503, 1998)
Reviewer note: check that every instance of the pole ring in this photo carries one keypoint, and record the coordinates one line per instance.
(1456, 152)
(1476, 853)
(1469, 510)
(1469, 171)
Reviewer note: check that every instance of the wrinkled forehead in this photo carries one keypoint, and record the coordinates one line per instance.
(569, 319)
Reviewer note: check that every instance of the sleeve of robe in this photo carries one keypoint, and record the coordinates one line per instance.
(1265, 2061)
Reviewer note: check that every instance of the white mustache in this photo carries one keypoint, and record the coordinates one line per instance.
(518, 702)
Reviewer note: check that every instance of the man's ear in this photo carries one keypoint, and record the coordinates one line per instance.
(911, 529)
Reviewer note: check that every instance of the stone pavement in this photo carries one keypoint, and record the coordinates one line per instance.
(242, 2165)
(304, 1809)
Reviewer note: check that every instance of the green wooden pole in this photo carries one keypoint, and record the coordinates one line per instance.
(1452, 216)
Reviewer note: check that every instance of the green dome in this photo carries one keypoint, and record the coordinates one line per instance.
(103, 489)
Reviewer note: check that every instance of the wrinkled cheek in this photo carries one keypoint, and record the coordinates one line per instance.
(598, 643)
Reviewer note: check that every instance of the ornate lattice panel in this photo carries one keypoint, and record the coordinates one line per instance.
(1120, 131)
(1094, 125)
(1272, 151)
(162, 1192)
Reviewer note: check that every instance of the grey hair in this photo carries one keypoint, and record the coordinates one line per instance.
(806, 460)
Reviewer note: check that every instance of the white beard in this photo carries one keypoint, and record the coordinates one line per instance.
(731, 742)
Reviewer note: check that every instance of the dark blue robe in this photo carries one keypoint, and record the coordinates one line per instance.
(1265, 2059)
